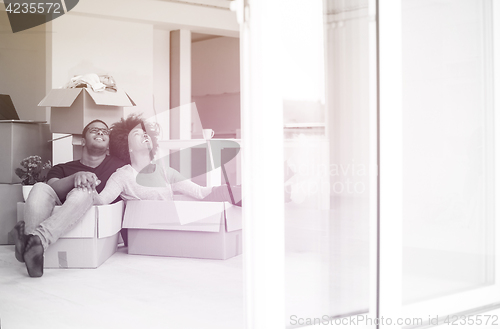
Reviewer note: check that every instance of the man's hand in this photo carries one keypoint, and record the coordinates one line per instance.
(86, 180)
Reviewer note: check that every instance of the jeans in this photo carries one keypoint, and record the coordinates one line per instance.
(38, 216)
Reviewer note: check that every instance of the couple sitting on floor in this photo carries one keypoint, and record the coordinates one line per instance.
(97, 178)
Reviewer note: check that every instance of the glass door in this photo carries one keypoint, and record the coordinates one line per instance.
(330, 134)
(309, 162)
(439, 156)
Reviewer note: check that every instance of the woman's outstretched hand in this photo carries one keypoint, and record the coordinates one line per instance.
(222, 194)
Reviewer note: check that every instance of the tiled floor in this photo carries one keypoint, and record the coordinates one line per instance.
(127, 291)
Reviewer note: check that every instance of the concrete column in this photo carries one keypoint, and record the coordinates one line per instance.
(180, 94)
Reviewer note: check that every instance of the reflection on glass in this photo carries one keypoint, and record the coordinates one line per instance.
(447, 148)
(327, 158)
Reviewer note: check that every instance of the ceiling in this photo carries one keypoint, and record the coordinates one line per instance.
(220, 4)
(196, 37)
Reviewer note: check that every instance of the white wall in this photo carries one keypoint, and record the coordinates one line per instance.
(22, 68)
(161, 79)
(216, 84)
(82, 44)
(216, 66)
(128, 51)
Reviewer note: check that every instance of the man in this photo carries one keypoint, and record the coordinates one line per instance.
(71, 185)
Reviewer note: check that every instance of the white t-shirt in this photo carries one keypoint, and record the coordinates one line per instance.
(127, 183)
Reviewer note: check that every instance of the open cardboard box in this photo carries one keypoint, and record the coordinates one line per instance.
(89, 243)
(73, 109)
(194, 229)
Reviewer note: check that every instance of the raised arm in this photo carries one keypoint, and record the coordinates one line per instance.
(185, 186)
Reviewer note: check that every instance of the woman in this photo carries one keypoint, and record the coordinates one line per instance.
(135, 142)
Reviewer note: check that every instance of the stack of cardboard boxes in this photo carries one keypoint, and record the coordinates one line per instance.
(72, 109)
(95, 238)
(18, 140)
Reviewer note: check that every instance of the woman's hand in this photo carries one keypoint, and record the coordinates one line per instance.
(221, 194)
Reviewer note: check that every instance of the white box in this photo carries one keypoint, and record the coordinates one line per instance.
(87, 245)
(194, 229)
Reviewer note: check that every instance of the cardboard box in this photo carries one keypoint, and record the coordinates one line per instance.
(73, 109)
(10, 194)
(18, 141)
(193, 229)
(87, 245)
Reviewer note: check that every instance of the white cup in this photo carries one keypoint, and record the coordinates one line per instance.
(208, 133)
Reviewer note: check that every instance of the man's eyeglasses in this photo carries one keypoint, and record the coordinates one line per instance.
(104, 131)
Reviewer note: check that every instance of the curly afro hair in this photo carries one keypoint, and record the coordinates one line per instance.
(118, 138)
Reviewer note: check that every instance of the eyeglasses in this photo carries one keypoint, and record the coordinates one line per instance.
(104, 131)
